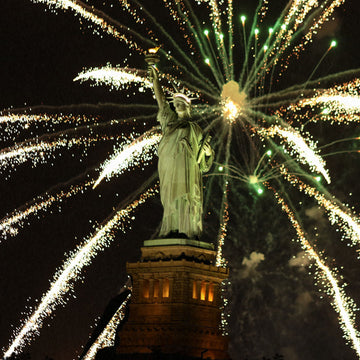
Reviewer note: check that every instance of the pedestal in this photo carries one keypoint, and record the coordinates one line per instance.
(174, 311)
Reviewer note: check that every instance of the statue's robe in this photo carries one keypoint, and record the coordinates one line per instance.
(180, 174)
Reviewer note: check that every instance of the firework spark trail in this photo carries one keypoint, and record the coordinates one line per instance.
(341, 104)
(259, 172)
(215, 16)
(340, 108)
(294, 19)
(343, 305)
(130, 155)
(231, 36)
(281, 41)
(204, 47)
(305, 152)
(57, 111)
(88, 13)
(26, 120)
(121, 78)
(202, 80)
(220, 260)
(346, 220)
(199, 76)
(289, 25)
(70, 272)
(107, 337)
(37, 152)
(351, 224)
(15, 123)
(262, 63)
(318, 16)
(118, 78)
(195, 28)
(299, 16)
(347, 103)
(7, 224)
(247, 46)
(326, 11)
(263, 10)
(296, 90)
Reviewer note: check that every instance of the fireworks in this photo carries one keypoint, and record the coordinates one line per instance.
(107, 336)
(117, 78)
(343, 305)
(339, 104)
(88, 13)
(70, 272)
(339, 214)
(240, 102)
(10, 224)
(297, 144)
(40, 151)
(136, 153)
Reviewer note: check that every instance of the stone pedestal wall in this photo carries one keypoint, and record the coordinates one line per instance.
(175, 303)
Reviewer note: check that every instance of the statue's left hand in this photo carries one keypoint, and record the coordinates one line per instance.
(207, 149)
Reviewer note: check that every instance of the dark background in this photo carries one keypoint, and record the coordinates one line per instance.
(275, 308)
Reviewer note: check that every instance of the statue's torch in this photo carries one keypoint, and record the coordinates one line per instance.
(152, 57)
(205, 140)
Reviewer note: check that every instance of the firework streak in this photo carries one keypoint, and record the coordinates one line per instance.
(70, 272)
(117, 78)
(220, 260)
(129, 155)
(344, 306)
(26, 120)
(107, 337)
(339, 104)
(7, 224)
(305, 152)
(88, 13)
(347, 221)
(38, 152)
(238, 90)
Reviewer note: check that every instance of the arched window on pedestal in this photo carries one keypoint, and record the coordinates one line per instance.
(156, 288)
(146, 288)
(166, 288)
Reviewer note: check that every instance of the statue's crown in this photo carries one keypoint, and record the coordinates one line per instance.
(181, 96)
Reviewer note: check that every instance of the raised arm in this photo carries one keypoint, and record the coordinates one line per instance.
(158, 91)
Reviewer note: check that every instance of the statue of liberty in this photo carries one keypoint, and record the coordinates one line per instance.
(184, 154)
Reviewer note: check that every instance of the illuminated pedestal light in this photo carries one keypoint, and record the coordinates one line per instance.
(174, 311)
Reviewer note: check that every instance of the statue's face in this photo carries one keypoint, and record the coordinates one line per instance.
(182, 108)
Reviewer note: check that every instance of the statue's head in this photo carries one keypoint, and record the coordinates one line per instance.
(182, 105)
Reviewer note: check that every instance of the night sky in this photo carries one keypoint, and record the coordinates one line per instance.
(275, 307)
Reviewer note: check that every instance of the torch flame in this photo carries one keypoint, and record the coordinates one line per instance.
(154, 50)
